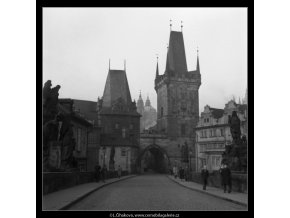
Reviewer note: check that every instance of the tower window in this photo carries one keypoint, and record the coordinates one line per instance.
(124, 133)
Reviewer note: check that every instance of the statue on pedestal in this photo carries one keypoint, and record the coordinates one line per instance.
(235, 154)
(58, 141)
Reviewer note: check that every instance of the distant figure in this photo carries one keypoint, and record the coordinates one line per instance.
(181, 173)
(119, 171)
(104, 173)
(221, 169)
(97, 172)
(226, 178)
(186, 173)
(175, 171)
(204, 176)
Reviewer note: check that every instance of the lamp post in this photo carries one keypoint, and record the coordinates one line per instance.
(104, 153)
(190, 153)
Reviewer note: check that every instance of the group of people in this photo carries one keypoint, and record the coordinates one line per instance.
(101, 173)
(225, 172)
(226, 180)
(181, 172)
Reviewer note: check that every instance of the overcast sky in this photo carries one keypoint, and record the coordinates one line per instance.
(78, 43)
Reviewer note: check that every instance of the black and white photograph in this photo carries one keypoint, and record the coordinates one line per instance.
(145, 109)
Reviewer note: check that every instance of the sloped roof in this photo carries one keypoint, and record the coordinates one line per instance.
(116, 87)
(87, 108)
(176, 59)
(73, 115)
(216, 112)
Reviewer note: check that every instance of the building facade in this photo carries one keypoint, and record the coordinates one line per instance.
(177, 108)
(177, 92)
(81, 128)
(88, 109)
(213, 133)
(120, 124)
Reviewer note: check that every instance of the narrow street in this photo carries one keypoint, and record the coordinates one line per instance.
(151, 192)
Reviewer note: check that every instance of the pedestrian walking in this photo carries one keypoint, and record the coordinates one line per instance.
(97, 172)
(175, 172)
(181, 173)
(104, 173)
(204, 176)
(119, 171)
(226, 178)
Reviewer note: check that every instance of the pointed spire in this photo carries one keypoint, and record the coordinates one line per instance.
(181, 26)
(125, 65)
(197, 63)
(157, 68)
(170, 24)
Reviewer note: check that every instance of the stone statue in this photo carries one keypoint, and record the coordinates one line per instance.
(184, 152)
(50, 101)
(235, 154)
(50, 139)
(235, 126)
(58, 141)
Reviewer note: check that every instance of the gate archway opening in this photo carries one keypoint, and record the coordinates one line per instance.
(154, 159)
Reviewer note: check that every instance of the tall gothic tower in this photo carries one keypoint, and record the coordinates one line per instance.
(177, 92)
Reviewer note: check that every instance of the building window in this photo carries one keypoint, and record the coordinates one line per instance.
(207, 120)
(161, 111)
(123, 152)
(204, 120)
(124, 133)
(222, 132)
(131, 126)
(117, 126)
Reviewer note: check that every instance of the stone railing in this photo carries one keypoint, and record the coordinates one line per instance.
(239, 180)
(55, 181)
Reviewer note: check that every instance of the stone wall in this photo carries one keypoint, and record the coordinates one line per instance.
(61, 180)
(239, 181)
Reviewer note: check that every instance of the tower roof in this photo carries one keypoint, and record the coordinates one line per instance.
(147, 103)
(157, 69)
(197, 63)
(116, 87)
(176, 60)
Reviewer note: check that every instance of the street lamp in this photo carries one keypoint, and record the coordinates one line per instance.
(190, 153)
(104, 154)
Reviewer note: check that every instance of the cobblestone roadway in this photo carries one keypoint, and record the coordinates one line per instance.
(151, 192)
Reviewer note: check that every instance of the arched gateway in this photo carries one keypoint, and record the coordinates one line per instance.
(153, 158)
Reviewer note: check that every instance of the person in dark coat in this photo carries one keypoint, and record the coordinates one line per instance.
(204, 176)
(181, 173)
(97, 172)
(104, 173)
(226, 178)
